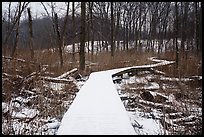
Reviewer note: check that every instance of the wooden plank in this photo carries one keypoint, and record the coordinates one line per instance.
(135, 69)
(97, 109)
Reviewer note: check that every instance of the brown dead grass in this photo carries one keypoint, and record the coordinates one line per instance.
(188, 66)
(121, 59)
(189, 63)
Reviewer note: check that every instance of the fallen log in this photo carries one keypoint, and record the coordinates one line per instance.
(190, 118)
(55, 80)
(131, 71)
(162, 107)
(12, 76)
(20, 60)
(64, 78)
(65, 75)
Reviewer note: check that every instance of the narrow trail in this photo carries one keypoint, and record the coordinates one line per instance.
(98, 109)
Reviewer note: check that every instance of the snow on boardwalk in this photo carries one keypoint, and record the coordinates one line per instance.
(97, 108)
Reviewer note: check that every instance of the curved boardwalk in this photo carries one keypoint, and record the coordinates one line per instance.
(97, 108)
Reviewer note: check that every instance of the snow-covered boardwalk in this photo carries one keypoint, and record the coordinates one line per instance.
(97, 108)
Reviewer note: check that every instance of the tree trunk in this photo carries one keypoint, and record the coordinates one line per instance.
(200, 31)
(136, 36)
(81, 52)
(92, 31)
(59, 40)
(64, 26)
(112, 27)
(31, 34)
(8, 30)
(176, 34)
(197, 42)
(73, 33)
(17, 16)
(126, 37)
(16, 39)
(88, 29)
(140, 28)
(117, 28)
(183, 33)
(17, 30)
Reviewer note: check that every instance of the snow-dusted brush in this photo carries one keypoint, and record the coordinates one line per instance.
(32, 97)
(168, 103)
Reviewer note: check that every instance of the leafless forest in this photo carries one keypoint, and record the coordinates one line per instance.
(63, 45)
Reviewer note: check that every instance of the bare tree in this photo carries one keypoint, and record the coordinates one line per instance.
(59, 32)
(118, 14)
(184, 22)
(21, 8)
(124, 27)
(13, 23)
(127, 21)
(8, 27)
(91, 27)
(82, 40)
(176, 32)
(73, 32)
(112, 29)
(59, 39)
(88, 28)
(64, 24)
(31, 34)
(198, 32)
(53, 24)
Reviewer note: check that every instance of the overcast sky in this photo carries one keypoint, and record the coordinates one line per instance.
(37, 9)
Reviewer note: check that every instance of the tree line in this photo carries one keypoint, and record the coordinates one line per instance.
(109, 22)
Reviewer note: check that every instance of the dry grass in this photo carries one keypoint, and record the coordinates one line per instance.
(188, 97)
(188, 66)
(121, 59)
(48, 102)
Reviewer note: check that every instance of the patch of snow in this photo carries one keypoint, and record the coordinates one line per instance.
(25, 113)
(152, 85)
(171, 98)
(153, 93)
(55, 86)
(175, 79)
(159, 72)
(141, 80)
(53, 125)
(79, 84)
(148, 126)
(5, 107)
(199, 77)
(118, 87)
(143, 72)
(16, 104)
(125, 76)
(156, 93)
(21, 100)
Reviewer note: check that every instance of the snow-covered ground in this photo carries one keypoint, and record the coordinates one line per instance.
(97, 109)
(98, 46)
(139, 115)
(160, 103)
